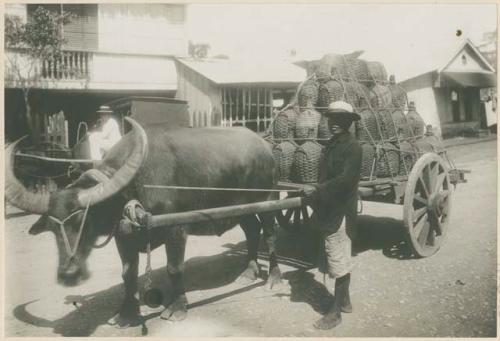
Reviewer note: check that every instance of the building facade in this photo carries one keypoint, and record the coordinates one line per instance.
(448, 96)
(111, 51)
(223, 92)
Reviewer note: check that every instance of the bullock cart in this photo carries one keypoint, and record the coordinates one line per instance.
(404, 162)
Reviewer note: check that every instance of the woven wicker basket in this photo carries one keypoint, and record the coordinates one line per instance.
(358, 68)
(323, 128)
(284, 124)
(283, 156)
(329, 92)
(399, 97)
(323, 71)
(387, 124)
(368, 166)
(306, 125)
(377, 71)
(381, 96)
(415, 121)
(306, 162)
(308, 92)
(407, 157)
(367, 128)
(356, 94)
(337, 63)
(387, 160)
(403, 128)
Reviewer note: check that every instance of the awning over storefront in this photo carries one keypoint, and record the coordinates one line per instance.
(468, 79)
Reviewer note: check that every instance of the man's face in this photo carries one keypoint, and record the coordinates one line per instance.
(105, 117)
(335, 129)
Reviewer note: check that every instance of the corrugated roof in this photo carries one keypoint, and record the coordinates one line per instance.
(225, 71)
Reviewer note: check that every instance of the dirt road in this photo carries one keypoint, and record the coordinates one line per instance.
(452, 293)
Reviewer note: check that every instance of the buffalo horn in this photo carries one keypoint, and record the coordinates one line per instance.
(122, 177)
(16, 193)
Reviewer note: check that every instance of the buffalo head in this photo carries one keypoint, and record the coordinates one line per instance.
(72, 213)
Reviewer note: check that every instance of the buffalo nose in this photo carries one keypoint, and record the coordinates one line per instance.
(70, 275)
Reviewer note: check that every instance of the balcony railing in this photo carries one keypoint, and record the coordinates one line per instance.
(94, 70)
(71, 65)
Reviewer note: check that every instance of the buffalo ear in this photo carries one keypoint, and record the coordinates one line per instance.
(39, 226)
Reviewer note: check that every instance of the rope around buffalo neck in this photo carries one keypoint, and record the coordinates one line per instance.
(72, 252)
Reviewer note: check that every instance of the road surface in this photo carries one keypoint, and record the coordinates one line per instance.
(452, 293)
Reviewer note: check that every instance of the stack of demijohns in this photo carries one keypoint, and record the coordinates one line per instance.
(391, 132)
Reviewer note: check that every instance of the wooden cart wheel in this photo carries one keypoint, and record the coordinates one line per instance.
(427, 204)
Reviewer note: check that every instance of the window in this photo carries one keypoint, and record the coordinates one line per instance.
(248, 107)
(81, 32)
(455, 105)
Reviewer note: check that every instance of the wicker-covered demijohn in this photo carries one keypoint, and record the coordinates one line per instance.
(387, 160)
(283, 156)
(368, 161)
(358, 68)
(308, 93)
(306, 162)
(407, 157)
(415, 121)
(399, 97)
(323, 72)
(329, 92)
(402, 126)
(377, 71)
(284, 124)
(323, 128)
(388, 127)
(381, 96)
(306, 125)
(367, 128)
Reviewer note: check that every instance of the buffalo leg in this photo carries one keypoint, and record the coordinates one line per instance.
(252, 227)
(270, 236)
(129, 311)
(176, 309)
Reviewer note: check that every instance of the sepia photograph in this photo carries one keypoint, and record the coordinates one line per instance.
(190, 169)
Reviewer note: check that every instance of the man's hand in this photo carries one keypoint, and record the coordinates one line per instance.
(309, 193)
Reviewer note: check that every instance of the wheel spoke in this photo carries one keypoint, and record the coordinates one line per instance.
(433, 176)
(424, 186)
(417, 214)
(438, 227)
(419, 225)
(439, 182)
(418, 198)
(424, 233)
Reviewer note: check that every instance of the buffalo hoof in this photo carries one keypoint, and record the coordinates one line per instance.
(177, 310)
(329, 321)
(274, 280)
(129, 315)
(120, 321)
(250, 274)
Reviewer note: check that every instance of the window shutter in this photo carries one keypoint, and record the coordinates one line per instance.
(81, 32)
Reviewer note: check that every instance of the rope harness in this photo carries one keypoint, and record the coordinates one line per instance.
(69, 250)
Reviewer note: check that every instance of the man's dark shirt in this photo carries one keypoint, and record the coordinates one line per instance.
(339, 174)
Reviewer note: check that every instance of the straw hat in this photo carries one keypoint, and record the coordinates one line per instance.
(342, 108)
(104, 109)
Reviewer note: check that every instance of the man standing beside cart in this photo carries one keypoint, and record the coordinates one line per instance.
(334, 200)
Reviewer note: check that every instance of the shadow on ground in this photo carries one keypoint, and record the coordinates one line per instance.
(296, 249)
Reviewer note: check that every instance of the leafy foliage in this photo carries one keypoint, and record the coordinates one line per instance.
(41, 36)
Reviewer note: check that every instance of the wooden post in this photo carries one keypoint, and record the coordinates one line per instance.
(173, 219)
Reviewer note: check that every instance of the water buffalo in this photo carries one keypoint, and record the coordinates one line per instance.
(92, 205)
